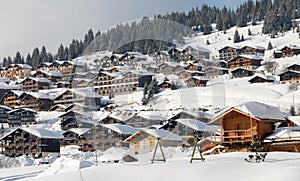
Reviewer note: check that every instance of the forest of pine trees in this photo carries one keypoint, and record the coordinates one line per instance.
(277, 16)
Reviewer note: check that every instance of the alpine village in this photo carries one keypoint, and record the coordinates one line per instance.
(213, 88)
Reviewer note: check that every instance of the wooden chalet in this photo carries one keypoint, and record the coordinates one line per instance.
(79, 95)
(63, 84)
(287, 51)
(197, 52)
(160, 57)
(250, 62)
(240, 123)
(153, 69)
(252, 50)
(85, 75)
(294, 67)
(37, 101)
(167, 67)
(74, 136)
(51, 75)
(242, 72)
(4, 116)
(75, 119)
(11, 98)
(228, 52)
(21, 117)
(189, 73)
(115, 83)
(58, 108)
(80, 83)
(187, 127)
(197, 81)
(35, 84)
(105, 136)
(285, 139)
(215, 72)
(262, 79)
(289, 76)
(16, 71)
(143, 77)
(44, 66)
(35, 142)
(145, 140)
(193, 67)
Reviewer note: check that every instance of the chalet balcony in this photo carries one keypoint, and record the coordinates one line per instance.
(236, 136)
(20, 144)
(12, 144)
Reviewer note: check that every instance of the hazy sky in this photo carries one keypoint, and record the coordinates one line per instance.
(26, 24)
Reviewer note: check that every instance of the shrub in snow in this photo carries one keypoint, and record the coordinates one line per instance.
(256, 147)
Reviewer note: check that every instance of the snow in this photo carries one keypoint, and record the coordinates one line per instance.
(227, 166)
(162, 134)
(121, 129)
(78, 131)
(43, 133)
(285, 134)
(197, 125)
(295, 119)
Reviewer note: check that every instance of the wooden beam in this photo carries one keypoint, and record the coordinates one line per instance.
(155, 150)
(194, 150)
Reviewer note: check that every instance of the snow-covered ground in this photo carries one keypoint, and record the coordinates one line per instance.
(226, 166)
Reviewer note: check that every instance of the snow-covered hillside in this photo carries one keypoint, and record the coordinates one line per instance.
(227, 166)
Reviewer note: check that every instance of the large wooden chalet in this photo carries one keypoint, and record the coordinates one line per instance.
(197, 81)
(35, 84)
(51, 75)
(289, 76)
(115, 83)
(230, 52)
(35, 142)
(245, 61)
(79, 95)
(21, 117)
(240, 123)
(16, 71)
(215, 72)
(287, 51)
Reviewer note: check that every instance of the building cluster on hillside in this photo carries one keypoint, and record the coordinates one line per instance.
(80, 101)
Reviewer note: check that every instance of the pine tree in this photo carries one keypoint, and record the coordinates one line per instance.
(236, 37)
(35, 57)
(61, 53)
(256, 146)
(242, 38)
(9, 61)
(270, 46)
(145, 99)
(28, 59)
(207, 42)
(249, 32)
(18, 58)
(4, 62)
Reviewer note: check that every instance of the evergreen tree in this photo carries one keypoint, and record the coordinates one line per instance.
(43, 55)
(270, 46)
(35, 57)
(28, 59)
(256, 146)
(207, 42)
(242, 38)
(236, 37)
(145, 99)
(249, 32)
(18, 58)
(9, 61)
(61, 53)
(4, 62)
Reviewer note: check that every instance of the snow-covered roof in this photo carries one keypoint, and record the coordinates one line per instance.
(43, 133)
(22, 109)
(294, 119)
(85, 92)
(40, 95)
(201, 49)
(52, 73)
(151, 115)
(122, 115)
(39, 79)
(142, 72)
(255, 46)
(201, 78)
(5, 86)
(5, 107)
(266, 77)
(158, 133)
(24, 66)
(258, 110)
(4, 79)
(198, 125)
(79, 131)
(121, 129)
(284, 134)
